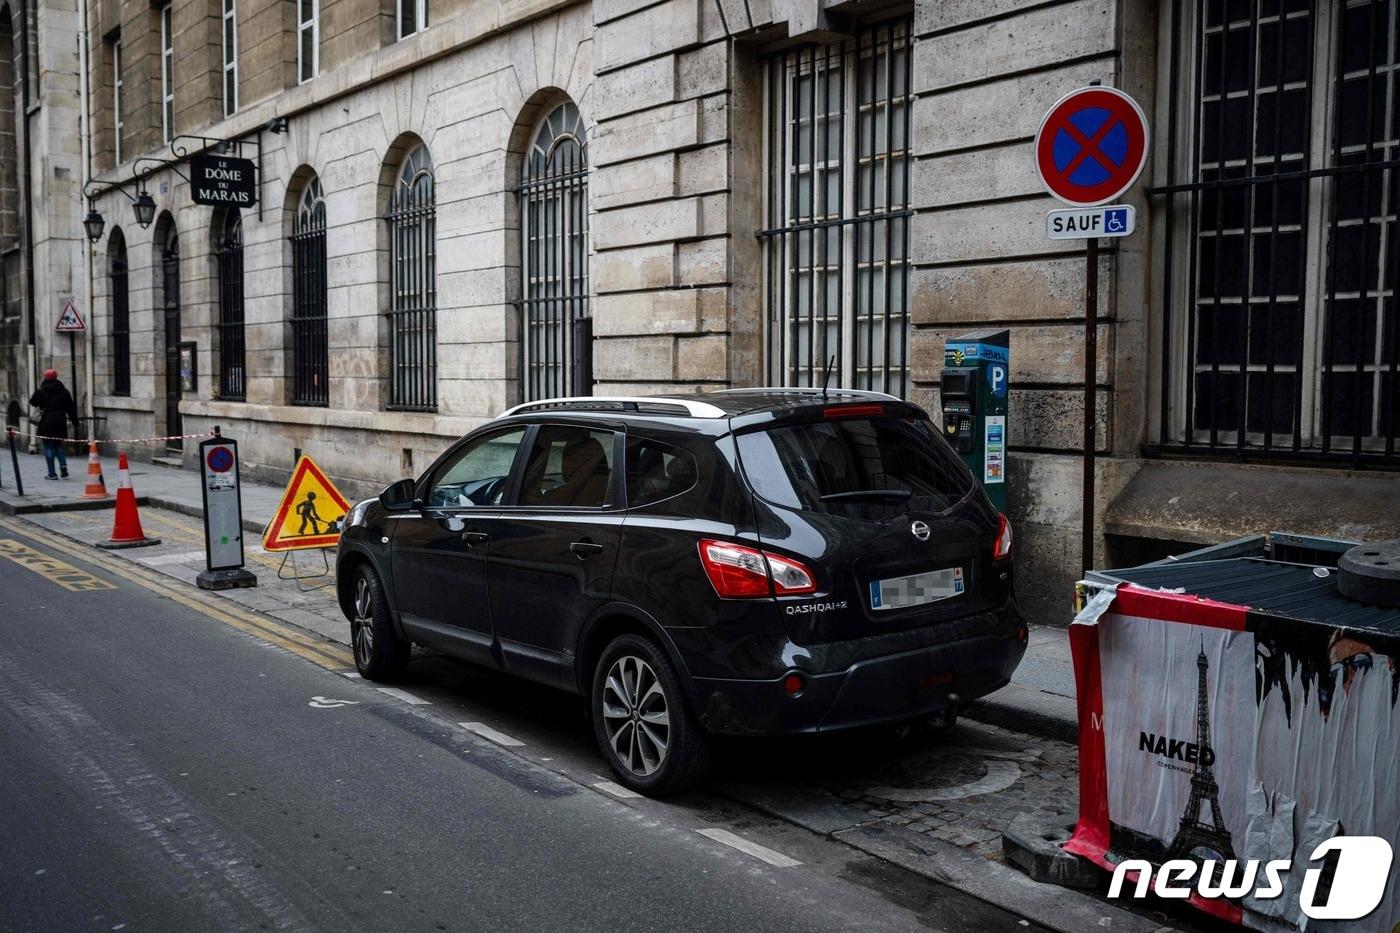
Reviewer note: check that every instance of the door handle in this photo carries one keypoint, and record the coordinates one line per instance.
(473, 538)
(585, 548)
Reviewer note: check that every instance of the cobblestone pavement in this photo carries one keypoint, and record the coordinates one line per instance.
(962, 786)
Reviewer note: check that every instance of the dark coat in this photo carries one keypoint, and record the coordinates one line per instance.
(58, 407)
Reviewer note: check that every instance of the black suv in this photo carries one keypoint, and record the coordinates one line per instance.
(749, 562)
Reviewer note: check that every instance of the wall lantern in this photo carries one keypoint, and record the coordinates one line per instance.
(94, 223)
(144, 207)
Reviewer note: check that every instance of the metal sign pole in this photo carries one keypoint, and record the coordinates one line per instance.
(1091, 399)
(1104, 129)
(14, 458)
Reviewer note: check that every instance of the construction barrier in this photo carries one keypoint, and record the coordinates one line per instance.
(1218, 738)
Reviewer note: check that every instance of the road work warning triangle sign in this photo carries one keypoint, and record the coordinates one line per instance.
(69, 320)
(310, 513)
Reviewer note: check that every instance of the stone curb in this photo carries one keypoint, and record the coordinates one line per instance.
(1025, 709)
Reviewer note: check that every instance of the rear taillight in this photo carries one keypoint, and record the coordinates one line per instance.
(1001, 549)
(740, 572)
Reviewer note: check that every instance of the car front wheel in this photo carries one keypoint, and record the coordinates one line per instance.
(653, 743)
(380, 654)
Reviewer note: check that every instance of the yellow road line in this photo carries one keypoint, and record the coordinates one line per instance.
(55, 571)
(184, 531)
(326, 654)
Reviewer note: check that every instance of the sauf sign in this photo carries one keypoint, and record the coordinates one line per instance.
(1361, 869)
(216, 180)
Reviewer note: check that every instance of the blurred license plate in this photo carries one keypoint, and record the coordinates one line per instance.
(916, 589)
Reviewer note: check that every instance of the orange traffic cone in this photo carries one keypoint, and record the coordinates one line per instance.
(126, 525)
(96, 486)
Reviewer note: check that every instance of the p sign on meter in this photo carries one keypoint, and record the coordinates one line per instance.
(996, 378)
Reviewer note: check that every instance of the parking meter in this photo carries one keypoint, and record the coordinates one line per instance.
(976, 374)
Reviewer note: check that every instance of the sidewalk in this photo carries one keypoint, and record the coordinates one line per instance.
(155, 485)
(1039, 700)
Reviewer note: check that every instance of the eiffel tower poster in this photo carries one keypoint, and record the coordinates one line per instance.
(1195, 834)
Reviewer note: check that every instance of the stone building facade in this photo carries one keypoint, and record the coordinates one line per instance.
(471, 204)
(41, 175)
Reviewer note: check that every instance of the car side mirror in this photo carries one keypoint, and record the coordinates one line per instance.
(398, 497)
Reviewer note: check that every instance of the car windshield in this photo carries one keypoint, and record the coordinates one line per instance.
(855, 467)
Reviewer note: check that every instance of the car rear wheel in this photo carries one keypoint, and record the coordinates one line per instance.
(650, 739)
(380, 654)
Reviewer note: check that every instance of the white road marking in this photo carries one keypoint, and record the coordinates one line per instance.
(353, 675)
(763, 853)
(324, 703)
(404, 695)
(486, 732)
(617, 790)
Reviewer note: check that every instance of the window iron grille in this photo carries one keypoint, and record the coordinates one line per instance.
(229, 254)
(837, 211)
(413, 286)
(553, 197)
(1280, 332)
(310, 352)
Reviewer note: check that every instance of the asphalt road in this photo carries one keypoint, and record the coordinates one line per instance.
(164, 770)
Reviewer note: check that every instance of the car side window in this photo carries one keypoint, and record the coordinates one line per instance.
(568, 467)
(657, 471)
(476, 475)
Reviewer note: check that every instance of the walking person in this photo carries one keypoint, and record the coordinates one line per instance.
(57, 408)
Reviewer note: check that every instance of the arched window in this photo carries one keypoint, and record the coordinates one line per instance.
(413, 286)
(229, 251)
(556, 343)
(121, 313)
(310, 356)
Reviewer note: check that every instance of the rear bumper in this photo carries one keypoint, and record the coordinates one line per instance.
(885, 688)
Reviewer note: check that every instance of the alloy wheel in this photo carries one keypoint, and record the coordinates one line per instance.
(635, 715)
(362, 626)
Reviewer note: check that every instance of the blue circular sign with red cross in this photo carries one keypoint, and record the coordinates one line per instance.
(1091, 146)
(220, 460)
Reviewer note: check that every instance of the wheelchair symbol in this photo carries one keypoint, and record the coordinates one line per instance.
(1115, 221)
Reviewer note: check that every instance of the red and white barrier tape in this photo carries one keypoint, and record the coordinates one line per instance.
(128, 440)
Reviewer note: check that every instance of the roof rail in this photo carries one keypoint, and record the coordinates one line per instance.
(654, 405)
(812, 390)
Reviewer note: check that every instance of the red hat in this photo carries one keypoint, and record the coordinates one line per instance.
(50, 374)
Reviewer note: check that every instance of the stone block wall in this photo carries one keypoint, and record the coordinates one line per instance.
(985, 73)
(662, 189)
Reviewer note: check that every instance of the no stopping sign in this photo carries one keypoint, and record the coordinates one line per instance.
(1091, 146)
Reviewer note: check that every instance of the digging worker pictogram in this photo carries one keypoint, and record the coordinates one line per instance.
(307, 510)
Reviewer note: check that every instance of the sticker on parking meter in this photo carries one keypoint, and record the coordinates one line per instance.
(994, 448)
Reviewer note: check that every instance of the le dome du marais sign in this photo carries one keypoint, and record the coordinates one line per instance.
(216, 179)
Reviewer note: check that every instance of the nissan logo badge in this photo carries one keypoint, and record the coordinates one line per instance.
(919, 530)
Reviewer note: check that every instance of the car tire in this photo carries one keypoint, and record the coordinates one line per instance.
(380, 654)
(644, 728)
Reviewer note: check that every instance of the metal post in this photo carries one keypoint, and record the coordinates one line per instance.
(1091, 355)
(14, 458)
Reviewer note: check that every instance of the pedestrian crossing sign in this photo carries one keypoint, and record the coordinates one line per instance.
(310, 512)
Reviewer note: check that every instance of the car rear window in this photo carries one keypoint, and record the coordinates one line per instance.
(855, 467)
(657, 471)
